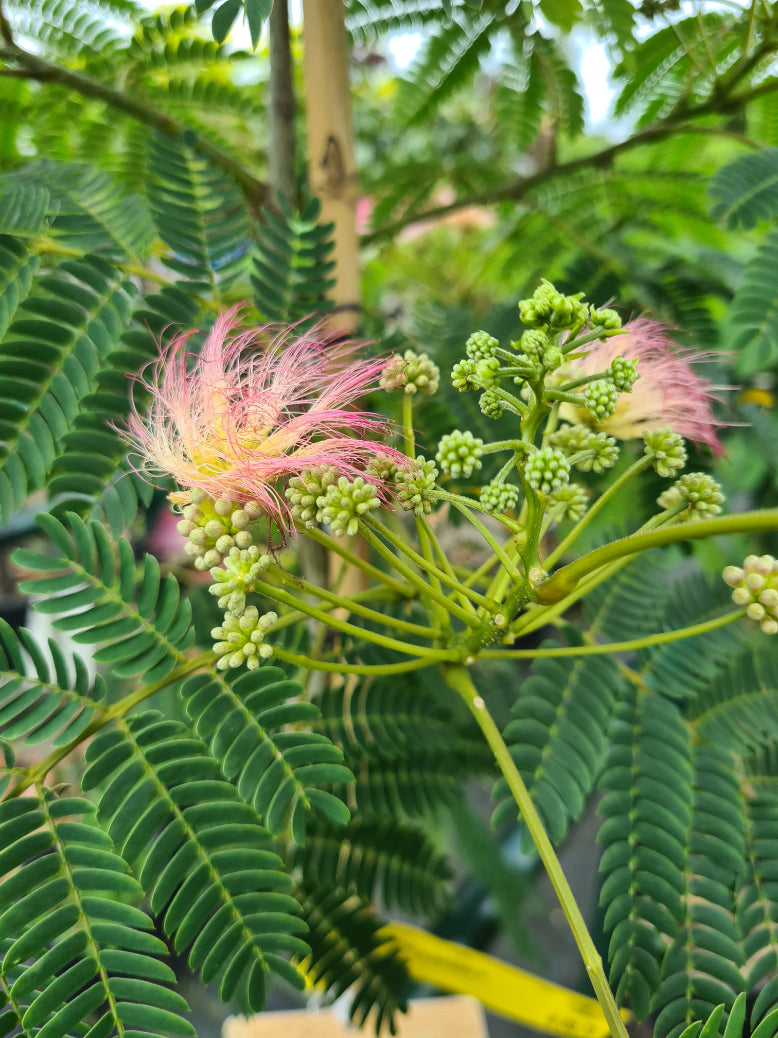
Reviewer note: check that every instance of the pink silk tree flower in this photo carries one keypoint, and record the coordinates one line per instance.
(668, 393)
(253, 409)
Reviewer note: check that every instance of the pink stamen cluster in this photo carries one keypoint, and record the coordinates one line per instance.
(253, 409)
(668, 392)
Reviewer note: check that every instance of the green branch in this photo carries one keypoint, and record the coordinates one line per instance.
(565, 580)
(595, 649)
(44, 71)
(305, 663)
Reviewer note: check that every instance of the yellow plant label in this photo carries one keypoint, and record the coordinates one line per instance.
(504, 989)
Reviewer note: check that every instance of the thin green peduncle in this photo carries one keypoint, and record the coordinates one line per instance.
(458, 679)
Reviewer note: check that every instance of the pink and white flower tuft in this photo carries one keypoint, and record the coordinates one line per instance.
(668, 392)
(253, 409)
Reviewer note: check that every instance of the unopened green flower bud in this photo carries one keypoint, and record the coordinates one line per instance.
(241, 570)
(416, 486)
(755, 586)
(306, 493)
(459, 453)
(488, 372)
(548, 307)
(346, 502)
(412, 372)
(223, 506)
(593, 451)
(568, 504)
(481, 345)
(464, 377)
(600, 399)
(533, 342)
(701, 493)
(491, 404)
(547, 469)
(606, 319)
(623, 374)
(553, 358)
(668, 450)
(499, 497)
(240, 639)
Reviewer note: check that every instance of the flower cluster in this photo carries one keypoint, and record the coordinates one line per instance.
(756, 587)
(253, 409)
(699, 492)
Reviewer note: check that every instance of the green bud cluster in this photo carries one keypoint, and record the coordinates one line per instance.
(481, 345)
(568, 503)
(606, 319)
(412, 372)
(756, 587)
(601, 398)
(459, 453)
(491, 404)
(547, 469)
(214, 528)
(548, 308)
(381, 470)
(416, 486)
(463, 376)
(241, 639)
(701, 493)
(533, 342)
(598, 449)
(346, 502)
(306, 493)
(623, 374)
(242, 569)
(499, 497)
(667, 450)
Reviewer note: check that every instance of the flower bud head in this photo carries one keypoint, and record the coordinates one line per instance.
(459, 453)
(547, 469)
(464, 377)
(481, 345)
(346, 502)
(754, 581)
(416, 486)
(623, 374)
(756, 611)
(307, 491)
(239, 639)
(412, 372)
(756, 587)
(741, 596)
(549, 308)
(568, 504)
(487, 372)
(593, 451)
(769, 626)
(601, 398)
(534, 343)
(499, 497)
(701, 493)
(185, 527)
(606, 319)
(769, 597)
(491, 405)
(223, 506)
(668, 450)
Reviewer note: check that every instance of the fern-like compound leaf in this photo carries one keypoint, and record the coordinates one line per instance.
(49, 362)
(252, 725)
(292, 263)
(80, 956)
(647, 810)
(208, 865)
(403, 745)
(557, 737)
(378, 857)
(702, 966)
(746, 191)
(753, 318)
(17, 269)
(349, 953)
(43, 695)
(200, 215)
(92, 590)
